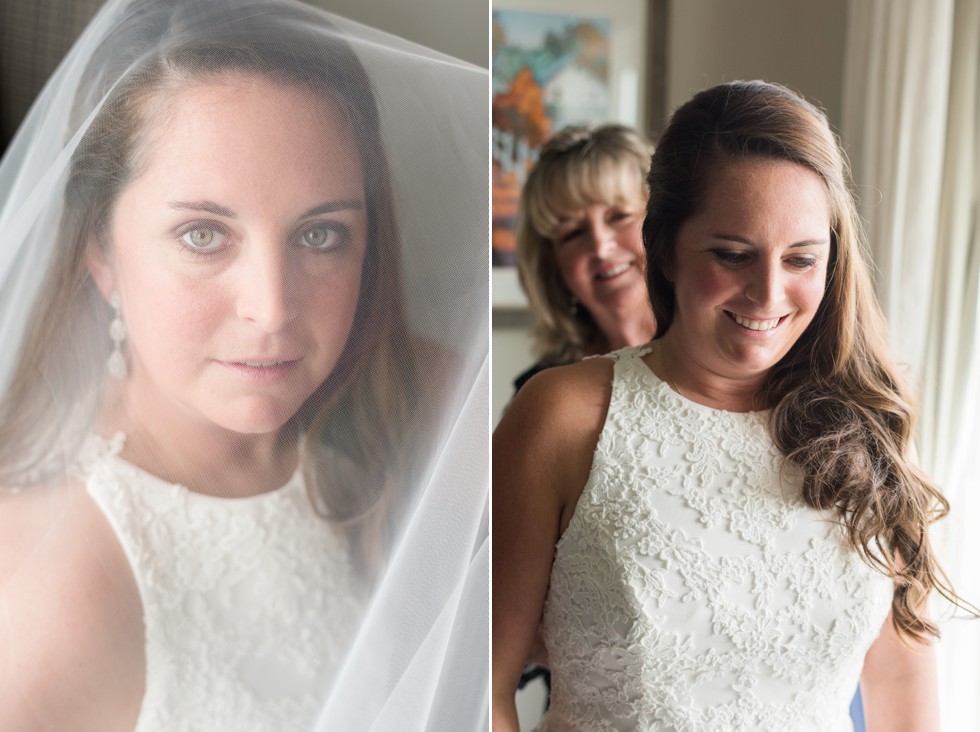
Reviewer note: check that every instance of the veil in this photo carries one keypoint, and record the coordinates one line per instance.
(344, 341)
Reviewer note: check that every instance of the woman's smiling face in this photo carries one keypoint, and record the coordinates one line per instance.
(237, 254)
(599, 251)
(750, 269)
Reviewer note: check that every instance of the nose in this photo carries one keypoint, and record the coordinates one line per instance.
(765, 285)
(268, 290)
(602, 238)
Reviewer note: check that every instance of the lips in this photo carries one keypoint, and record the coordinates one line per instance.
(262, 370)
(611, 272)
(260, 361)
(757, 325)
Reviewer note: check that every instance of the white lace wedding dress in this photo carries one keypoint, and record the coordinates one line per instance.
(693, 589)
(249, 604)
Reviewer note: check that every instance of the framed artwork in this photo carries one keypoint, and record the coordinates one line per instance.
(555, 63)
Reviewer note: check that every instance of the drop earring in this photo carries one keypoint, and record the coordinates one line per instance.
(573, 307)
(116, 365)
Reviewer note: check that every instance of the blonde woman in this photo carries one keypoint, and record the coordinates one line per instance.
(579, 245)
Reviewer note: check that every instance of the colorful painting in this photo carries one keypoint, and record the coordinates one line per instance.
(548, 71)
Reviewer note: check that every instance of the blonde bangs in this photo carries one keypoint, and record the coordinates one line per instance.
(572, 184)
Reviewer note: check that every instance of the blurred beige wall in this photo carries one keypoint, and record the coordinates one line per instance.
(798, 43)
(459, 28)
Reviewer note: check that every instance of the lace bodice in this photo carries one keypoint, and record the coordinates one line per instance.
(248, 604)
(693, 589)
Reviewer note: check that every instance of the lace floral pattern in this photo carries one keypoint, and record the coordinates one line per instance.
(693, 589)
(249, 604)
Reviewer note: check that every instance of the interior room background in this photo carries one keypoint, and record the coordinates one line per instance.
(899, 81)
(795, 42)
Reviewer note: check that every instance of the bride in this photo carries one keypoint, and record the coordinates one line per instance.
(234, 373)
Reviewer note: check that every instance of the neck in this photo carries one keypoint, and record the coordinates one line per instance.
(632, 331)
(198, 454)
(688, 377)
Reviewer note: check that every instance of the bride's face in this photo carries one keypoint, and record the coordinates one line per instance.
(237, 254)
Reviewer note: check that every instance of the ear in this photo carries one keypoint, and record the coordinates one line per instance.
(101, 270)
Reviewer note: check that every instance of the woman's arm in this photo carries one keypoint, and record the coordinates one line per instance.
(542, 453)
(898, 684)
(899, 687)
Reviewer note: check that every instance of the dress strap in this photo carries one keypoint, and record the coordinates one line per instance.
(95, 451)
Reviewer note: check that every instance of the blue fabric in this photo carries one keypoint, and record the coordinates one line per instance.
(857, 712)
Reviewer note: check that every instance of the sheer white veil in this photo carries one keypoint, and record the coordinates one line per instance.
(394, 443)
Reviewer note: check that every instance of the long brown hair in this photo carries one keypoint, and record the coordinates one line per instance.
(841, 409)
(356, 420)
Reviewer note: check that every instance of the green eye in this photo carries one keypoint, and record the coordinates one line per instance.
(321, 237)
(201, 238)
(315, 237)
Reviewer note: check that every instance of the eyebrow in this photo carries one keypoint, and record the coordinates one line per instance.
(330, 207)
(206, 206)
(218, 210)
(749, 242)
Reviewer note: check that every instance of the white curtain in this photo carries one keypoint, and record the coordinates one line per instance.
(912, 128)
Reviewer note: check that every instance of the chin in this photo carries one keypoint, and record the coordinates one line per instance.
(257, 418)
(757, 363)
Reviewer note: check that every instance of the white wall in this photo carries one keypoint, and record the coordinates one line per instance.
(511, 355)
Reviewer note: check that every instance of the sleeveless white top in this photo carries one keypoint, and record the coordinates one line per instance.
(249, 604)
(693, 589)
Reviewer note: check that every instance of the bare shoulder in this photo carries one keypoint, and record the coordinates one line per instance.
(571, 398)
(551, 428)
(28, 522)
(69, 612)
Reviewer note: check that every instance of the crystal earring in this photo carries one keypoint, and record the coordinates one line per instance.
(116, 366)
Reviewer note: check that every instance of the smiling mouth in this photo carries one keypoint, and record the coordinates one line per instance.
(758, 325)
(613, 272)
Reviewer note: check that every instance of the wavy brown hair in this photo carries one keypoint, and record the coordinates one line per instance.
(578, 167)
(841, 409)
(356, 422)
